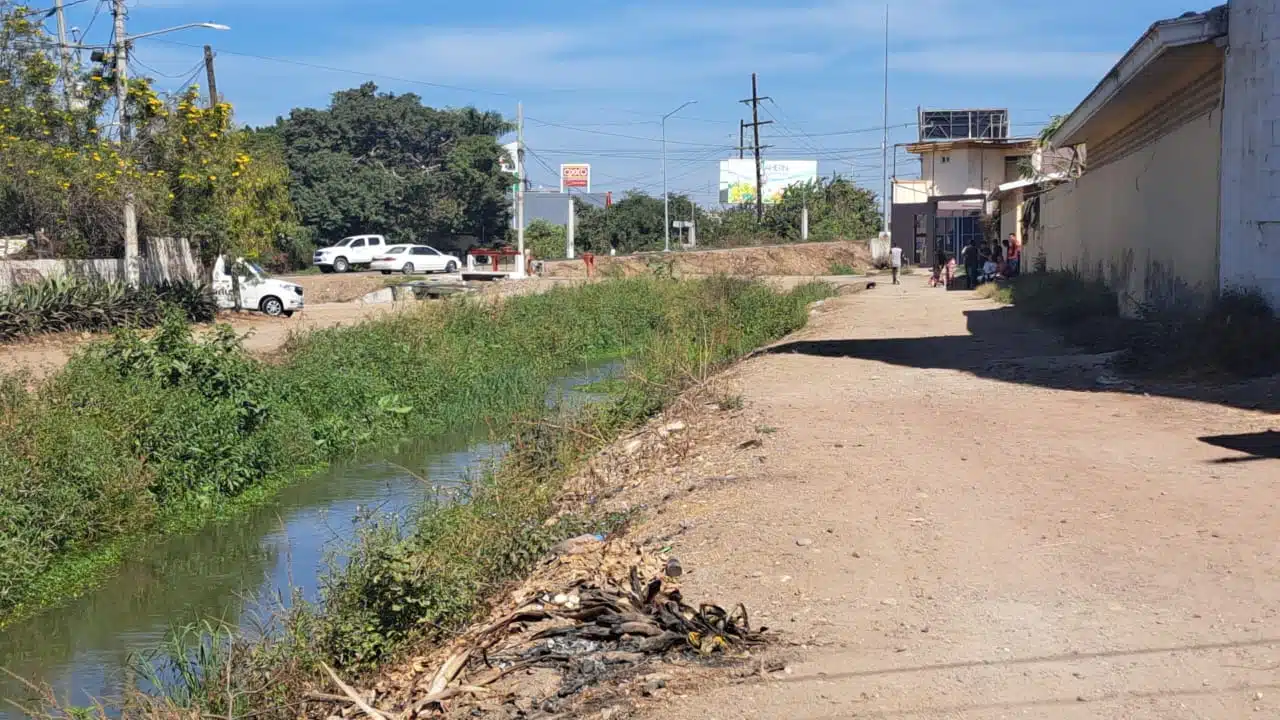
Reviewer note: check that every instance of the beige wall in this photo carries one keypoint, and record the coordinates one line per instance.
(968, 170)
(1146, 223)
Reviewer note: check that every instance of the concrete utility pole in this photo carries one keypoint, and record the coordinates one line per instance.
(755, 128)
(742, 139)
(666, 200)
(208, 70)
(64, 53)
(132, 269)
(804, 222)
(519, 198)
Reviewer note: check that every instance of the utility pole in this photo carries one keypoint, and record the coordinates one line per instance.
(64, 53)
(520, 187)
(132, 273)
(755, 129)
(666, 199)
(208, 70)
(742, 139)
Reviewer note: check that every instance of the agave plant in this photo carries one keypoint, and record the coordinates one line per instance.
(77, 304)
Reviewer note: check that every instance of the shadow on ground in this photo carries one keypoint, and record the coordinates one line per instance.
(1252, 446)
(1003, 345)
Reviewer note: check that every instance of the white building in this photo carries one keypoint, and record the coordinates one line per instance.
(964, 159)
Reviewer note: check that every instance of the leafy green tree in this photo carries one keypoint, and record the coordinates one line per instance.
(384, 163)
(189, 169)
(545, 240)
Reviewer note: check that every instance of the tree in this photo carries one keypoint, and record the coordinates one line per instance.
(192, 173)
(545, 240)
(632, 224)
(385, 163)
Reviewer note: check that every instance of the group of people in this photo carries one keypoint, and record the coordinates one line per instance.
(982, 263)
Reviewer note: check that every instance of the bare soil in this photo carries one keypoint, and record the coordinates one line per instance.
(954, 518)
(949, 514)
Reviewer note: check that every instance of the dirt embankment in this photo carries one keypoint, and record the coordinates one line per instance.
(808, 259)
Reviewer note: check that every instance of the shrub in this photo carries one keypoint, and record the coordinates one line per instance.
(76, 304)
(137, 431)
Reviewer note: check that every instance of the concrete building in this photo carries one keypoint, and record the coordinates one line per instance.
(961, 165)
(1179, 198)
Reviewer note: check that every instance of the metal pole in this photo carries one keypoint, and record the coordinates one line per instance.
(569, 229)
(666, 202)
(884, 144)
(132, 272)
(520, 187)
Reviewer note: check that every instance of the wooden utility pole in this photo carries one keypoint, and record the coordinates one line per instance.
(208, 70)
(755, 128)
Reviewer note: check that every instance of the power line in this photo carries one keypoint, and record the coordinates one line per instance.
(620, 135)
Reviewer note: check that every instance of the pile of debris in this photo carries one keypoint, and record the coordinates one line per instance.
(602, 610)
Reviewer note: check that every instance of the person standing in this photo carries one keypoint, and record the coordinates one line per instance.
(972, 263)
(895, 261)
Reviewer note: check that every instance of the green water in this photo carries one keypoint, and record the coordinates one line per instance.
(238, 571)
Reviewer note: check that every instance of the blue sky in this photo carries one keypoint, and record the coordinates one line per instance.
(596, 77)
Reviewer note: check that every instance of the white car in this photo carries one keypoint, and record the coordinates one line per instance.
(410, 259)
(354, 251)
(258, 290)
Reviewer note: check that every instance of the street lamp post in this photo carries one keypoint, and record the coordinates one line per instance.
(666, 201)
(132, 269)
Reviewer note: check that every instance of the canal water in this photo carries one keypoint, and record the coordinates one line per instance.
(237, 571)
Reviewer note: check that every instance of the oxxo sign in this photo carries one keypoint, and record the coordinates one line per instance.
(577, 177)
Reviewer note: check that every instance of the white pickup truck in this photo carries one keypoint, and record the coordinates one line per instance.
(354, 251)
(258, 290)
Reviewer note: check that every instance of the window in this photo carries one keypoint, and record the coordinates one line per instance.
(432, 251)
(346, 242)
(375, 241)
(944, 159)
(396, 249)
(357, 243)
(421, 251)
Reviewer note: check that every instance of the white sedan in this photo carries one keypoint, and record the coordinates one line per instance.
(410, 259)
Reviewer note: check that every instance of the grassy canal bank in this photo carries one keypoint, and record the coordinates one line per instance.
(138, 436)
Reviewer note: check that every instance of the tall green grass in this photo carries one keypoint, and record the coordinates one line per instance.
(406, 582)
(140, 433)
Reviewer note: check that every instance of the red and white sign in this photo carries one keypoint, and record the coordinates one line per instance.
(576, 176)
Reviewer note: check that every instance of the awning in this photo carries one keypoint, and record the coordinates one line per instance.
(1004, 190)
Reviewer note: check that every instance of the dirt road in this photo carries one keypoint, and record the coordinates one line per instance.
(952, 531)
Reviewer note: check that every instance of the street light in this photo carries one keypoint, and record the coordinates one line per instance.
(666, 201)
(188, 26)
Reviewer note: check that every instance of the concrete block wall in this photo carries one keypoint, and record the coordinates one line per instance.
(1250, 183)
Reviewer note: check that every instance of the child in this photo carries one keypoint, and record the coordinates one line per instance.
(951, 271)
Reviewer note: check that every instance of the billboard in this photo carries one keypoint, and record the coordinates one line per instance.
(576, 176)
(738, 179)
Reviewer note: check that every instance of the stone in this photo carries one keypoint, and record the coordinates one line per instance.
(675, 427)
(889, 602)
(803, 542)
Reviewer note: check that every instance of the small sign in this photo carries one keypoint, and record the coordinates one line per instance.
(681, 224)
(575, 176)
